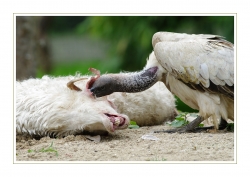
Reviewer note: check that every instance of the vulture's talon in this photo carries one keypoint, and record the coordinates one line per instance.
(193, 127)
(176, 130)
(186, 129)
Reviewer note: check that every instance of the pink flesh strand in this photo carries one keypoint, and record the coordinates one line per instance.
(95, 71)
(93, 78)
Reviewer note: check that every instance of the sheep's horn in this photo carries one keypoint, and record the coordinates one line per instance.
(72, 86)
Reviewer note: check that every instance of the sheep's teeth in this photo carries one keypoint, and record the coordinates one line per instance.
(117, 121)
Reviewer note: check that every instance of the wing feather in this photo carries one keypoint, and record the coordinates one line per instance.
(200, 61)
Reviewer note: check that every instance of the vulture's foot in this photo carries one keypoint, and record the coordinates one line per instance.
(191, 127)
(223, 124)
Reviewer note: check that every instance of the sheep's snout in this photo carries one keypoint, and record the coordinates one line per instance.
(118, 122)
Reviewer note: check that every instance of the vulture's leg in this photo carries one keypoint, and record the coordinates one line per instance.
(188, 128)
(193, 127)
(223, 124)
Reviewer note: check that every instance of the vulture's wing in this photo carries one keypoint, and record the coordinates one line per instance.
(204, 62)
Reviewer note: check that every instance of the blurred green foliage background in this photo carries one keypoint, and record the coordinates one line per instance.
(128, 38)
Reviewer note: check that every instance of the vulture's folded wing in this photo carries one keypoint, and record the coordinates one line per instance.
(204, 62)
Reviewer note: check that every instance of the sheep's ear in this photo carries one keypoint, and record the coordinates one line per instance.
(72, 86)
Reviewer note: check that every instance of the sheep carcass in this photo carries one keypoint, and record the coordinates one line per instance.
(199, 69)
(48, 107)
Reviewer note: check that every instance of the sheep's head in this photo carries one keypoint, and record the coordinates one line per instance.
(102, 114)
(105, 119)
(97, 85)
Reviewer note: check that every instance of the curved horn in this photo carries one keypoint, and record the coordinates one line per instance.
(72, 86)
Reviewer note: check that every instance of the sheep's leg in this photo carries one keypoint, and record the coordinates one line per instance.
(188, 128)
(72, 86)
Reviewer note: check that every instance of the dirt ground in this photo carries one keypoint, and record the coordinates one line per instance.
(128, 145)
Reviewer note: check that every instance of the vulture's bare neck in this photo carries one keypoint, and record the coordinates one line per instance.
(137, 82)
(124, 82)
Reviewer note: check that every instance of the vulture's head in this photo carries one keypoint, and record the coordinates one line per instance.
(104, 85)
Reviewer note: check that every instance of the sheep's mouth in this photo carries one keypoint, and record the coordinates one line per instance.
(118, 122)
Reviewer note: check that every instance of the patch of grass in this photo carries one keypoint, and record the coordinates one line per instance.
(48, 149)
(29, 151)
(181, 120)
(133, 125)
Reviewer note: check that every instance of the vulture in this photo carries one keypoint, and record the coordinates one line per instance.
(197, 68)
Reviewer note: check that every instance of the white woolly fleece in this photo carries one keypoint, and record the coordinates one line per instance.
(148, 107)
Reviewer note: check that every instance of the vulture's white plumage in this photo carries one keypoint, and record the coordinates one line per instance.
(199, 69)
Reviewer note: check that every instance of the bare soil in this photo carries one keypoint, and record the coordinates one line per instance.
(128, 145)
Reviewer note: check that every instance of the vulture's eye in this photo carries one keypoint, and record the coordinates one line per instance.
(102, 88)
